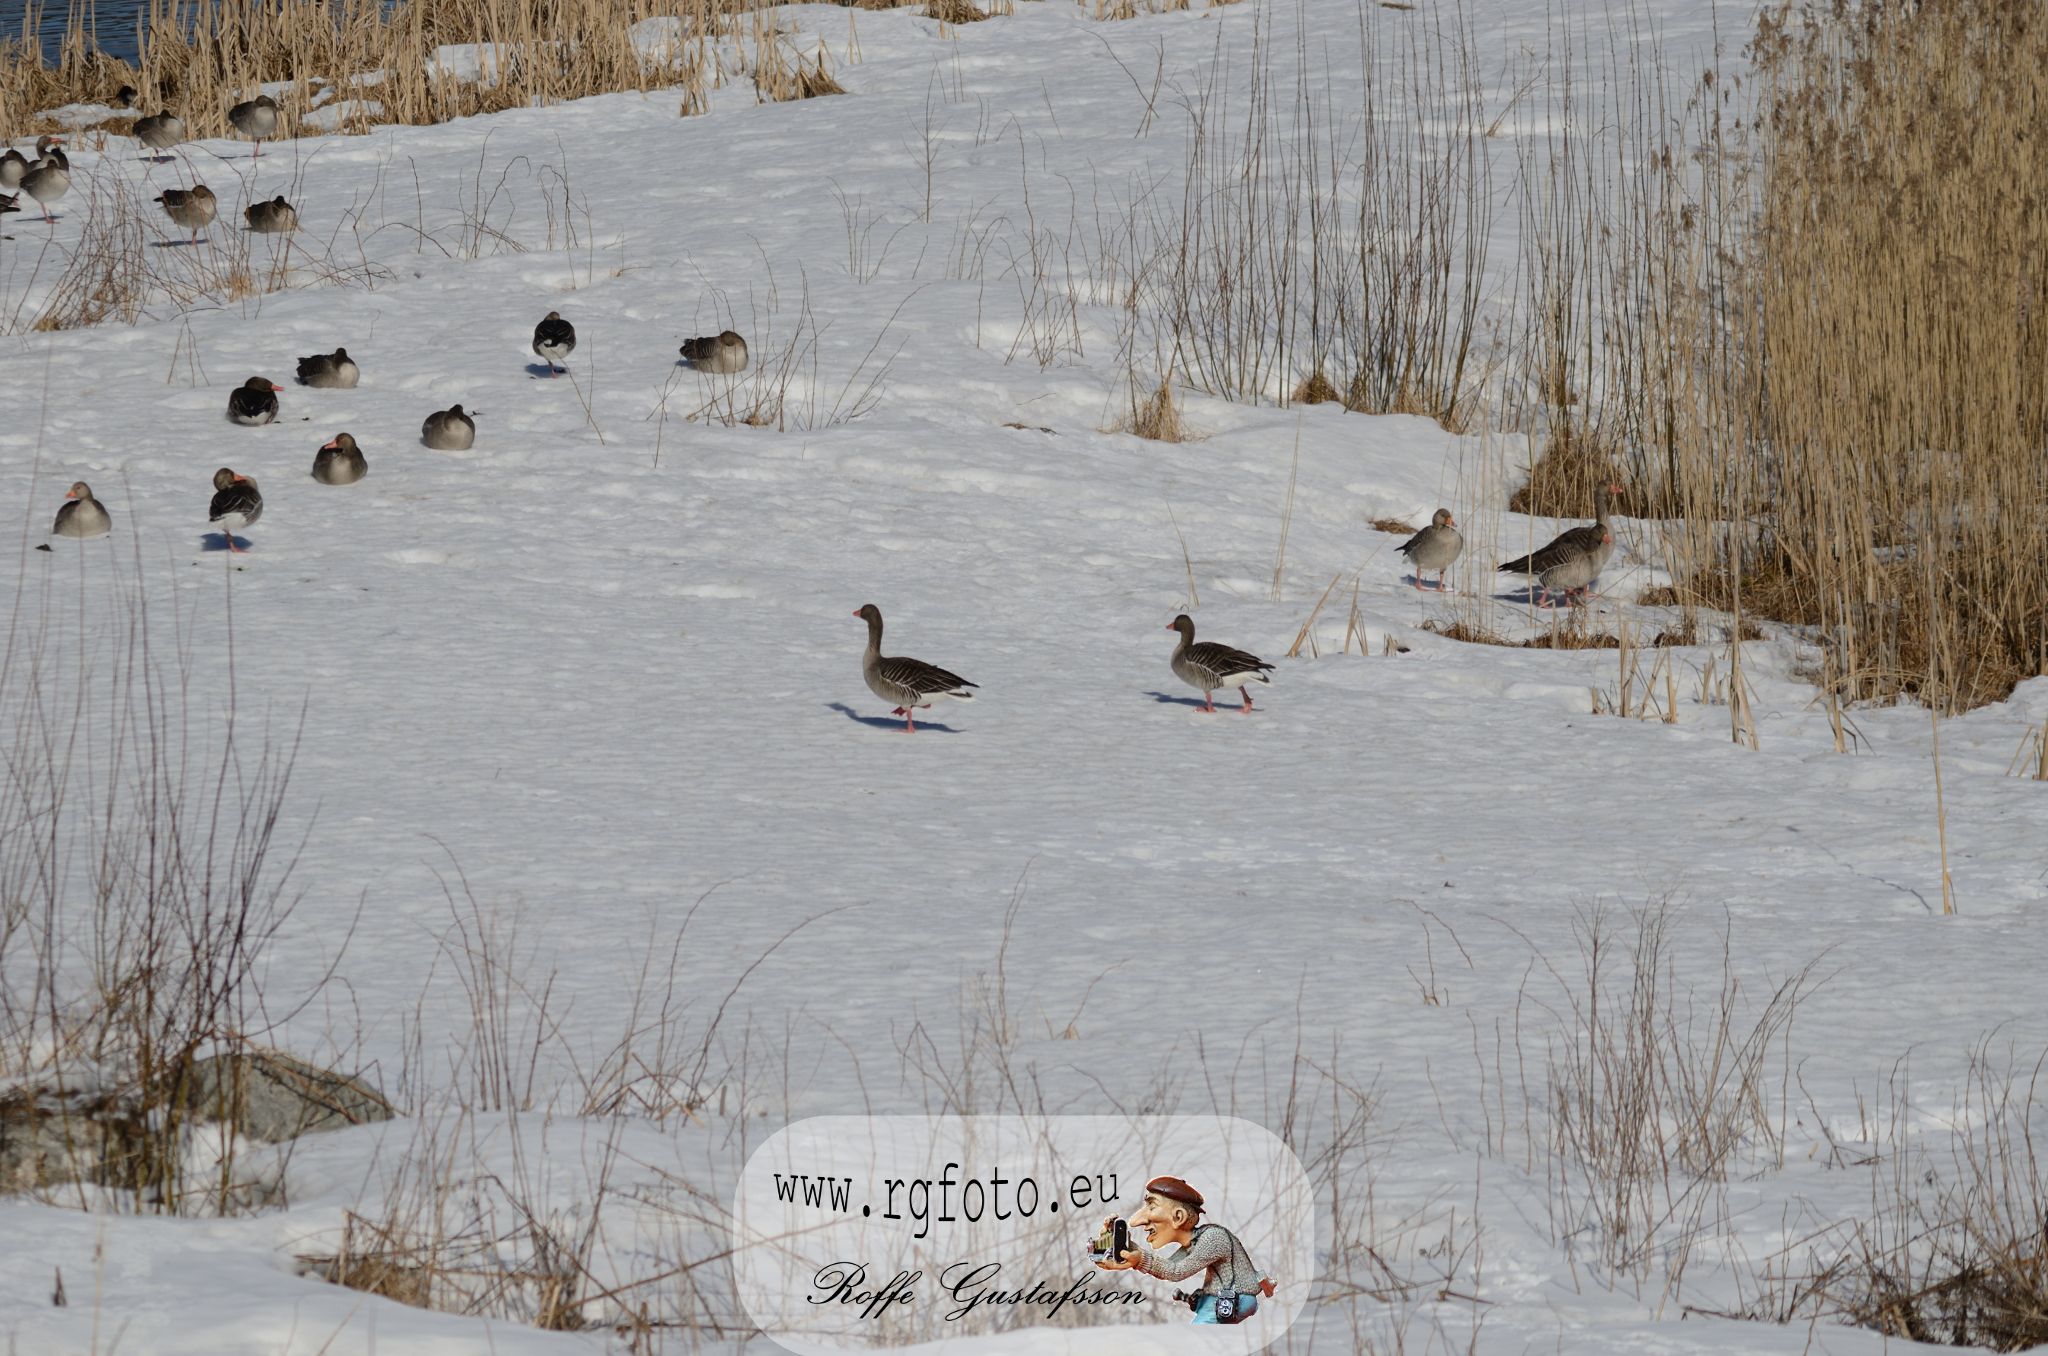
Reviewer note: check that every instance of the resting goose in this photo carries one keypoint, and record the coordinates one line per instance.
(276, 217)
(721, 353)
(254, 401)
(160, 132)
(1434, 547)
(340, 461)
(13, 166)
(191, 208)
(334, 371)
(257, 118)
(1210, 666)
(449, 430)
(50, 177)
(9, 203)
(1574, 559)
(553, 340)
(910, 683)
(237, 504)
(81, 515)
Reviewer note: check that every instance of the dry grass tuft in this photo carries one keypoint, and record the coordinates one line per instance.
(1156, 417)
(1562, 481)
(1316, 390)
(954, 11)
(1471, 633)
(1400, 527)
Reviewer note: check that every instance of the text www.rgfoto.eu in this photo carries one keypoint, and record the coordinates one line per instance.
(971, 1198)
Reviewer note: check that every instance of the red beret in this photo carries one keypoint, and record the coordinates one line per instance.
(1173, 1189)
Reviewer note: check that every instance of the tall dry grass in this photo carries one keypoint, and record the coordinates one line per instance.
(351, 63)
(1841, 371)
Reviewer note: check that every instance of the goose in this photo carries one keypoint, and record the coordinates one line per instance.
(9, 202)
(50, 177)
(254, 401)
(257, 118)
(81, 515)
(1434, 547)
(910, 683)
(1210, 666)
(237, 504)
(191, 208)
(553, 340)
(124, 97)
(340, 462)
(721, 353)
(276, 217)
(334, 371)
(1574, 558)
(449, 430)
(14, 166)
(160, 132)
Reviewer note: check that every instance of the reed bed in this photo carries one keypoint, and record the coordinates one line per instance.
(348, 64)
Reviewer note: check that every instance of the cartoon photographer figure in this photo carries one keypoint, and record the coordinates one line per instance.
(1231, 1285)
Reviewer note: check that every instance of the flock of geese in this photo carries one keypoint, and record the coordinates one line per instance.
(1567, 566)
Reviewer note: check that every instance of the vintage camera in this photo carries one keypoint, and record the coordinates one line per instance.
(1112, 1243)
(1226, 1308)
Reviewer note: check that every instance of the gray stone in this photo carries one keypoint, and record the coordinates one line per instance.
(269, 1096)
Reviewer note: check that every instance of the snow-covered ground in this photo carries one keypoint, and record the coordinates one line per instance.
(604, 664)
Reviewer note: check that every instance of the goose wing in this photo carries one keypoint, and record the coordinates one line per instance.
(1226, 663)
(920, 677)
(1577, 542)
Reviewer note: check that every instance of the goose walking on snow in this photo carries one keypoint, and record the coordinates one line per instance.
(1213, 667)
(449, 430)
(721, 353)
(256, 118)
(340, 462)
(276, 217)
(1574, 558)
(254, 401)
(553, 341)
(910, 683)
(49, 178)
(237, 504)
(334, 371)
(191, 208)
(81, 515)
(160, 132)
(1434, 548)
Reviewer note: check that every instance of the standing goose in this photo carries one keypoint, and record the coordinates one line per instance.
(276, 217)
(237, 504)
(1574, 559)
(721, 353)
(254, 401)
(81, 515)
(257, 118)
(334, 371)
(449, 430)
(553, 340)
(340, 461)
(160, 132)
(191, 208)
(910, 683)
(1210, 666)
(1434, 547)
(49, 178)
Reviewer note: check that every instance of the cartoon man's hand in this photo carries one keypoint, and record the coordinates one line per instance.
(1129, 1261)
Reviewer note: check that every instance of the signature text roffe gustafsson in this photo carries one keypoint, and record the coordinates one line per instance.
(970, 1286)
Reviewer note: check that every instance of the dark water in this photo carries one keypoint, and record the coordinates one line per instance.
(111, 23)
